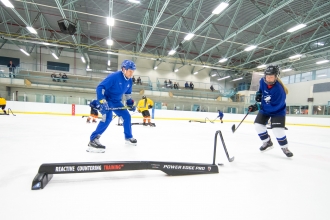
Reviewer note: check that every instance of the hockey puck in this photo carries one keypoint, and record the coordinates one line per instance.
(220, 164)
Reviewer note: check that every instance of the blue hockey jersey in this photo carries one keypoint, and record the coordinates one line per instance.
(113, 87)
(273, 99)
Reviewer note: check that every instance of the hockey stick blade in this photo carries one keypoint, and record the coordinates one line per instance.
(233, 128)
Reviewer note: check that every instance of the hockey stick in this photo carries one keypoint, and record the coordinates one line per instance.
(9, 110)
(209, 120)
(233, 127)
(98, 117)
(230, 159)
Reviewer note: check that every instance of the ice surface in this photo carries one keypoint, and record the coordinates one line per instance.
(255, 186)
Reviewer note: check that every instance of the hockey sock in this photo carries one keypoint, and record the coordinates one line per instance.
(262, 132)
(281, 137)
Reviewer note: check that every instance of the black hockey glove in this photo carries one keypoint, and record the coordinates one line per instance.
(255, 107)
(258, 97)
(150, 106)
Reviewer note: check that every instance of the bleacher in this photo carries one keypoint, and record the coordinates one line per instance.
(73, 81)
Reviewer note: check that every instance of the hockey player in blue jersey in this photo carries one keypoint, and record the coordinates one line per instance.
(109, 95)
(220, 115)
(272, 94)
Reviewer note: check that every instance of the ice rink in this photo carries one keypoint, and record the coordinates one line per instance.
(255, 186)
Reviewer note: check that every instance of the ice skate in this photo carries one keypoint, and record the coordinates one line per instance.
(267, 145)
(287, 152)
(145, 124)
(88, 121)
(131, 141)
(95, 146)
(94, 121)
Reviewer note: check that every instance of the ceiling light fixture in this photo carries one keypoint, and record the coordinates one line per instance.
(110, 21)
(223, 78)
(176, 70)
(83, 60)
(26, 53)
(7, 3)
(250, 48)
(238, 79)
(322, 61)
(195, 73)
(220, 8)
(134, 1)
(110, 42)
(32, 30)
(261, 66)
(295, 28)
(189, 36)
(171, 52)
(287, 70)
(295, 56)
(54, 55)
(223, 60)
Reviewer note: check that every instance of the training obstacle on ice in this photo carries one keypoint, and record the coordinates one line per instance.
(9, 111)
(151, 124)
(47, 170)
(206, 119)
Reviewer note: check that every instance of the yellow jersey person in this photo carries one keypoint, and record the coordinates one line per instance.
(143, 107)
(3, 104)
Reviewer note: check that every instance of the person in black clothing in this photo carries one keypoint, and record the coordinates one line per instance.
(170, 84)
(11, 68)
(191, 86)
(139, 81)
(64, 77)
(133, 80)
(53, 77)
(212, 88)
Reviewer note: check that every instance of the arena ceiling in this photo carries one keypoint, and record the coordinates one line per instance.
(150, 29)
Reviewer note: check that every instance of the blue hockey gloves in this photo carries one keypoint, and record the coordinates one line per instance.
(103, 106)
(255, 107)
(95, 104)
(130, 104)
(258, 97)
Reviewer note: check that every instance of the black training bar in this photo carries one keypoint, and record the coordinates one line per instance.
(153, 124)
(47, 170)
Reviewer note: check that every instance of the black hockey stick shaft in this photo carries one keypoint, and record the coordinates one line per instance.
(233, 127)
(230, 159)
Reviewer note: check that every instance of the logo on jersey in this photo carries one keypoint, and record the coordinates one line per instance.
(128, 85)
(267, 99)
